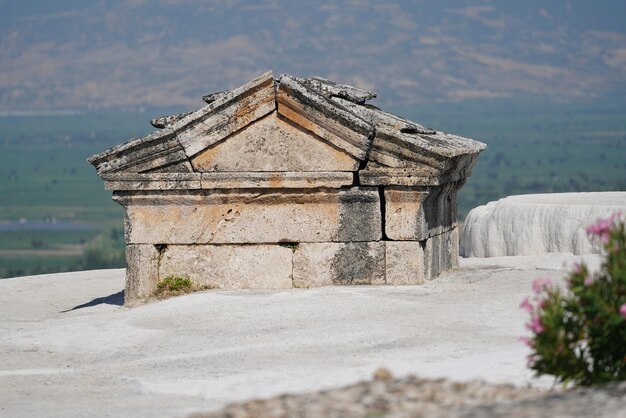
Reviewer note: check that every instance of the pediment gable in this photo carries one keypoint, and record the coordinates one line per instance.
(293, 124)
(273, 143)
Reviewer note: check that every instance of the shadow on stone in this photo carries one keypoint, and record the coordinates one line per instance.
(113, 299)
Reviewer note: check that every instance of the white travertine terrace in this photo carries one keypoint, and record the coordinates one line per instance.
(537, 224)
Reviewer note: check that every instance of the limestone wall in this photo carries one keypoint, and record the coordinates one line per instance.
(286, 265)
(282, 238)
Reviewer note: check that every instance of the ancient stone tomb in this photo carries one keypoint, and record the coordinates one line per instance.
(288, 182)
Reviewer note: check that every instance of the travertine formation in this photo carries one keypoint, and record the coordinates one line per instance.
(536, 224)
(288, 182)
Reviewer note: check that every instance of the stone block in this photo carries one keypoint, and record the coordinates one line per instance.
(227, 114)
(454, 248)
(177, 167)
(323, 117)
(332, 263)
(332, 90)
(441, 253)
(163, 122)
(142, 272)
(154, 151)
(229, 266)
(273, 144)
(404, 214)
(276, 180)
(382, 120)
(404, 263)
(152, 181)
(414, 214)
(380, 174)
(251, 216)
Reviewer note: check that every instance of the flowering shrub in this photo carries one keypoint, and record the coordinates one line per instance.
(579, 333)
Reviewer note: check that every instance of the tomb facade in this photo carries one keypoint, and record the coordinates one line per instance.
(288, 182)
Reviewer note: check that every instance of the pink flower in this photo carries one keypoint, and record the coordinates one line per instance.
(526, 305)
(535, 325)
(526, 341)
(588, 281)
(540, 284)
(576, 268)
(602, 228)
(622, 310)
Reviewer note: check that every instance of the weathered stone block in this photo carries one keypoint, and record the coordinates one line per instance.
(321, 116)
(229, 266)
(276, 180)
(404, 263)
(152, 181)
(178, 167)
(379, 174)
(273, 144)
(414, 214)
(333, 90)
(441, 253)
(226, 115)
(160, 148)
(142, 272)
(250, 216)
(404, 214)
(330, 263)
(454, 244)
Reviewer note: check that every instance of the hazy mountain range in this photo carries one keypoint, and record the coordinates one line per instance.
(65, 54)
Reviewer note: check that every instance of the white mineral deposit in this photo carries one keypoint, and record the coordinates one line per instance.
(538, 224)
(69, 347)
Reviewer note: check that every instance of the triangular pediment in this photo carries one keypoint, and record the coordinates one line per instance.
(273, 143)
(269, 130)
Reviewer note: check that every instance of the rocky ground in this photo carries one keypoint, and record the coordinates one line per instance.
(414, 397)
(69, 349)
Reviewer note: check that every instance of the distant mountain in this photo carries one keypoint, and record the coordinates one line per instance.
(112, 53)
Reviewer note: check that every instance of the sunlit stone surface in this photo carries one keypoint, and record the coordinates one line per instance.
(288, 182)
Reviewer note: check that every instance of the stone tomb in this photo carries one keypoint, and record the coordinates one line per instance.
(288, 182)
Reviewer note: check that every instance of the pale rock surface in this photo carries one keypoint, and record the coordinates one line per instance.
(229, 266)
(69, 349)
(538, 224)
(421, 398)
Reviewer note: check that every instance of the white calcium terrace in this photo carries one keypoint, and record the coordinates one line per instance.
(69, 349)
(538, 224)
